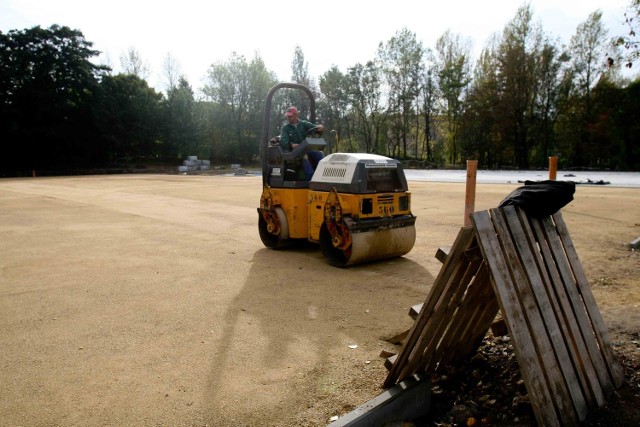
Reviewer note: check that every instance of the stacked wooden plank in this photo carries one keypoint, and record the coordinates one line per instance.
(527, 269)
(452, 316)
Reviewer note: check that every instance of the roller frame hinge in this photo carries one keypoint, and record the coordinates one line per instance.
(267, 210)
(339, 232)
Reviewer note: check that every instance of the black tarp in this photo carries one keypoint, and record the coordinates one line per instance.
(541, 198)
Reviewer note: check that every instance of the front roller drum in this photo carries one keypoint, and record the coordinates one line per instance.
(369, 245)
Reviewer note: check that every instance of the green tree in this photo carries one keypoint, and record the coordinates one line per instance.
(517, 57)
(239, 88)
(605, 131)
(628, 123)
(553, 85)
(171, 71)
(454, 75)
(630, 41)
(589, 49)
(300, 69)
(131, 118)
(47, 86)
(401, 62)
(427, 107)
(181, 132)
(335, 88)
(209, 135)
(366, 99)
(300, 75)
(480, 136)
(133, 63)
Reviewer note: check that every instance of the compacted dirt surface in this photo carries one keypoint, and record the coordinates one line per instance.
(149, 300)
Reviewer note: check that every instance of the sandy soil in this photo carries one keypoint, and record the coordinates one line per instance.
(149, 300)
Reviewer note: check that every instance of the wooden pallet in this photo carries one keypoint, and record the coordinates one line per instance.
(528, 270)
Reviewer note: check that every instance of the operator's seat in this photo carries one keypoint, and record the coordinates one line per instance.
(285, 167)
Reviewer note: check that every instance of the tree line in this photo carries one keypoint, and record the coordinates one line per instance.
(525, 98)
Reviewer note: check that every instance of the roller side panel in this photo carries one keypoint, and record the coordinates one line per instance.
(294, 203)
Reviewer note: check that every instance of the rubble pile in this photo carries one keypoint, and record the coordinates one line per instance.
(489, 391)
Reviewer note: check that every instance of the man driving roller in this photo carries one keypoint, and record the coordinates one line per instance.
(293, 133)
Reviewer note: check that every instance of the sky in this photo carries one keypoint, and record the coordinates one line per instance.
(200, 33)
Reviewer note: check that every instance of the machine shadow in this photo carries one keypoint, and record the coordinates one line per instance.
(303, 311)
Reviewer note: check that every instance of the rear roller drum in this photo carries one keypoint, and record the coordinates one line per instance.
(274, 231)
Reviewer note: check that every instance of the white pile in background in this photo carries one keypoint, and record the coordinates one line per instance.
(193, 164)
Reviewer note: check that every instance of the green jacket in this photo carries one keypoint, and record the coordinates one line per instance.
(294, 134)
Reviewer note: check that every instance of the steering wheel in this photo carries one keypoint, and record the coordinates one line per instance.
(313, 130)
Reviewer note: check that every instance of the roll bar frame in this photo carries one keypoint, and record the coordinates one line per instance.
(264, 142)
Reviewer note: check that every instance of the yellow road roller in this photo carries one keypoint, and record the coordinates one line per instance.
(357, 206)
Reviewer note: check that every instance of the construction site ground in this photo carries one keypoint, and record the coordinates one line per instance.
(149, 300)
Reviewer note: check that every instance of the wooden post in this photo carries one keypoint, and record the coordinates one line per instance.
(470, 195)
(553, 167)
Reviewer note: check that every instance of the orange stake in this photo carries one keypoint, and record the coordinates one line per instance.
(470, 196)
(553, 167)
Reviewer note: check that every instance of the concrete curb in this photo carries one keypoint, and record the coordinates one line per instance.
(406, 401)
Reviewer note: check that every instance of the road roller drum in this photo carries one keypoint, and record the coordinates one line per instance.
(371, 246)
